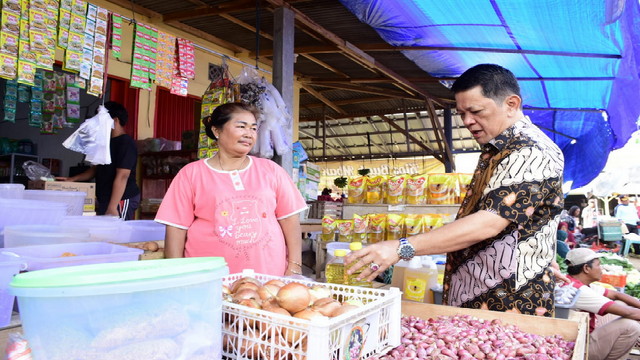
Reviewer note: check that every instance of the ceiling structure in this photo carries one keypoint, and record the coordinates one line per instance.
(353, 83)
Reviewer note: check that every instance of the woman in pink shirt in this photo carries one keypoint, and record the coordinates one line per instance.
(233, 205)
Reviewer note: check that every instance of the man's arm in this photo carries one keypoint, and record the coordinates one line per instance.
(174, 241)
(84, 176)
(117, 190)
(293, 239)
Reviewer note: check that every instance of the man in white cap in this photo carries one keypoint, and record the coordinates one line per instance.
(615, 338)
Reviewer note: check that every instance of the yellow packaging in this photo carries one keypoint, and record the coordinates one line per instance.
(328, 228)
(345, 230)
(357, 187)
(375, 193)
(395, 189)
(431, 222)
(360, 224)
(416, 186)
(464, 183)
(375, 229)
(395, 226)
(412, 224)
(442, 189)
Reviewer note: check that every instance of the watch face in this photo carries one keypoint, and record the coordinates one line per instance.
(406, 251)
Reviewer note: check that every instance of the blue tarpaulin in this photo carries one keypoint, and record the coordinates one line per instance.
(575, 60)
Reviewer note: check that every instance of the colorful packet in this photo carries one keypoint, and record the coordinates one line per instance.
(413, 224)
(376, 227)
(356, 190)
(395, 226)
(375, 194)
(345, 230)
(431, 222)
(395, 189)
(328, 228)
(442, 189)
(464, 184)
(416, 186)
(360, 224)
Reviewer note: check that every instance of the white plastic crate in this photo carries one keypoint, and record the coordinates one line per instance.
(254, 334)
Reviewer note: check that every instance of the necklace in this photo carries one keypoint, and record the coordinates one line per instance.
(220, 163)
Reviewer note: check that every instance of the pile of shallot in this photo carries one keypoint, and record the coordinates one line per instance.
(467, 338)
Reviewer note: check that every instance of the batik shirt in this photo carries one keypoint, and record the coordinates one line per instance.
(511, 271)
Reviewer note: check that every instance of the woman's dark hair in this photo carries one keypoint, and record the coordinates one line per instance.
(577, 269)
(224, 113)
(496, 82)
(116, 110)
(573, 209)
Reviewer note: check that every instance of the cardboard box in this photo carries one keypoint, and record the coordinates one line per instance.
(312, 171)
(89, 188)
(576, 328)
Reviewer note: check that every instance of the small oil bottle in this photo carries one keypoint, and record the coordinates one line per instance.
(353, 278)
(334, 271)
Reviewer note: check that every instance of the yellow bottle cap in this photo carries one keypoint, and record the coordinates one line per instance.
(356, 245)
(340, 252)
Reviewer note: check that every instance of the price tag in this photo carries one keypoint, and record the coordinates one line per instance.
(396, 207)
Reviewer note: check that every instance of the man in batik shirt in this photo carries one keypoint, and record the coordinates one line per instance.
(502, 244)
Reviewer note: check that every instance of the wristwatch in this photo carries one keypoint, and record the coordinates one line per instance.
(406, 251)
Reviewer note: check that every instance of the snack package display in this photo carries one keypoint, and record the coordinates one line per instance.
(442, 189)
(328, 228)
(416, 186)
(376, 228)
(396, 186)
(356, 190)
(360, 224)
(431, 222)
(394, 226)
(345, 230)
(375, 187)
(413, 224)
(464, 183)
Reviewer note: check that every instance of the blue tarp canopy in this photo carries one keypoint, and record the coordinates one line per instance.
(575, 59)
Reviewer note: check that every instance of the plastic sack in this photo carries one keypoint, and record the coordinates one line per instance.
(17, 348)
(93, 137)
(36, 171)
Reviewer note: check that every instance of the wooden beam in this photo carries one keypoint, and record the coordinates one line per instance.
(435, 122)
(227, 7)
(208, 37)
(325, 65)
(351, 101)
(413, 138)
(352, 51)
(367, 90)
(322, 98)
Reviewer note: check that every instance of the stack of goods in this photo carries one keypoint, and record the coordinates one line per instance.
(373, 228)
(443, 189)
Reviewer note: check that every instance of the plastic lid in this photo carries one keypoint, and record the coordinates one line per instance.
(340, 252)
(356, 245)
(109, 273)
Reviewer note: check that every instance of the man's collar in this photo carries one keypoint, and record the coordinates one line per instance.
(500, 141)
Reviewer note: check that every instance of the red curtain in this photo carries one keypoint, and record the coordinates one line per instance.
(121, 92)
(174, 114)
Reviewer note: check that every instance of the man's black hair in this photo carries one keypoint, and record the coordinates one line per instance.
(116, 110)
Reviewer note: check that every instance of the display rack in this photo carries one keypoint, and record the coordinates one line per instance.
(361, 209)
(11, 168)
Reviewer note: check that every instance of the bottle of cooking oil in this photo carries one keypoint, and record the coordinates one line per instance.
(353, 278)
(334, 271)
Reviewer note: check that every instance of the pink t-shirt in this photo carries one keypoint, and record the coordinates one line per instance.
(234, 214)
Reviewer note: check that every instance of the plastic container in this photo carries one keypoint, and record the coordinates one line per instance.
(28, 212)
(437, 294)
(11, 191)
(562, 309)
(370, 330)
(9, 266)
(154, 309)
(353, 278)
(102, 228)
(334, 271)
(146, 230)
(74, 199)
(333, 246)
(40, 257)
(418, 279)
(25, 235)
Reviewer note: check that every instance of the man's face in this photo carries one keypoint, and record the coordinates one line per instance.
(595, 272)
(481, 115)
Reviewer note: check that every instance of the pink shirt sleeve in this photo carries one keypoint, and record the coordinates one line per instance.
(176, 208)
(288, 197)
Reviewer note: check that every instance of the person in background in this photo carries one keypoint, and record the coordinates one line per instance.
(233, 205)
(589, 215)
(628, 215)
(501, 247)
(562, 235)
(619, 330)
(117, 193)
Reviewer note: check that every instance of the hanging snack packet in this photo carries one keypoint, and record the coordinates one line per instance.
(375, 195)
(328, 228)
(395, 226)
(412, 224)
(431, 222)
(416, 186)
(442, 189)
(395, 189)
(345, 230)
(464, 184)
(360, 224)
(375, 228)
(357, 187)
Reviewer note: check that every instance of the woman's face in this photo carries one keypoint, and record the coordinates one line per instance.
(238, 135)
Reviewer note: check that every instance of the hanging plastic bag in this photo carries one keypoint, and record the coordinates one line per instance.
(36, 171)
(93, 137)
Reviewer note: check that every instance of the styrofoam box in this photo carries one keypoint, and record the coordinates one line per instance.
(372, 329)
(40, 257)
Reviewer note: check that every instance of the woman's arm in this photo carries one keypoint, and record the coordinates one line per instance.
(174, 241)
(293, 238)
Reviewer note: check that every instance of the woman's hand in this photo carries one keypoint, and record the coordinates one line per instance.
(559, 276)
(374, 259)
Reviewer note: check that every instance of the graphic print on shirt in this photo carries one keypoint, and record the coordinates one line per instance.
(246, 221)
(241, 225)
